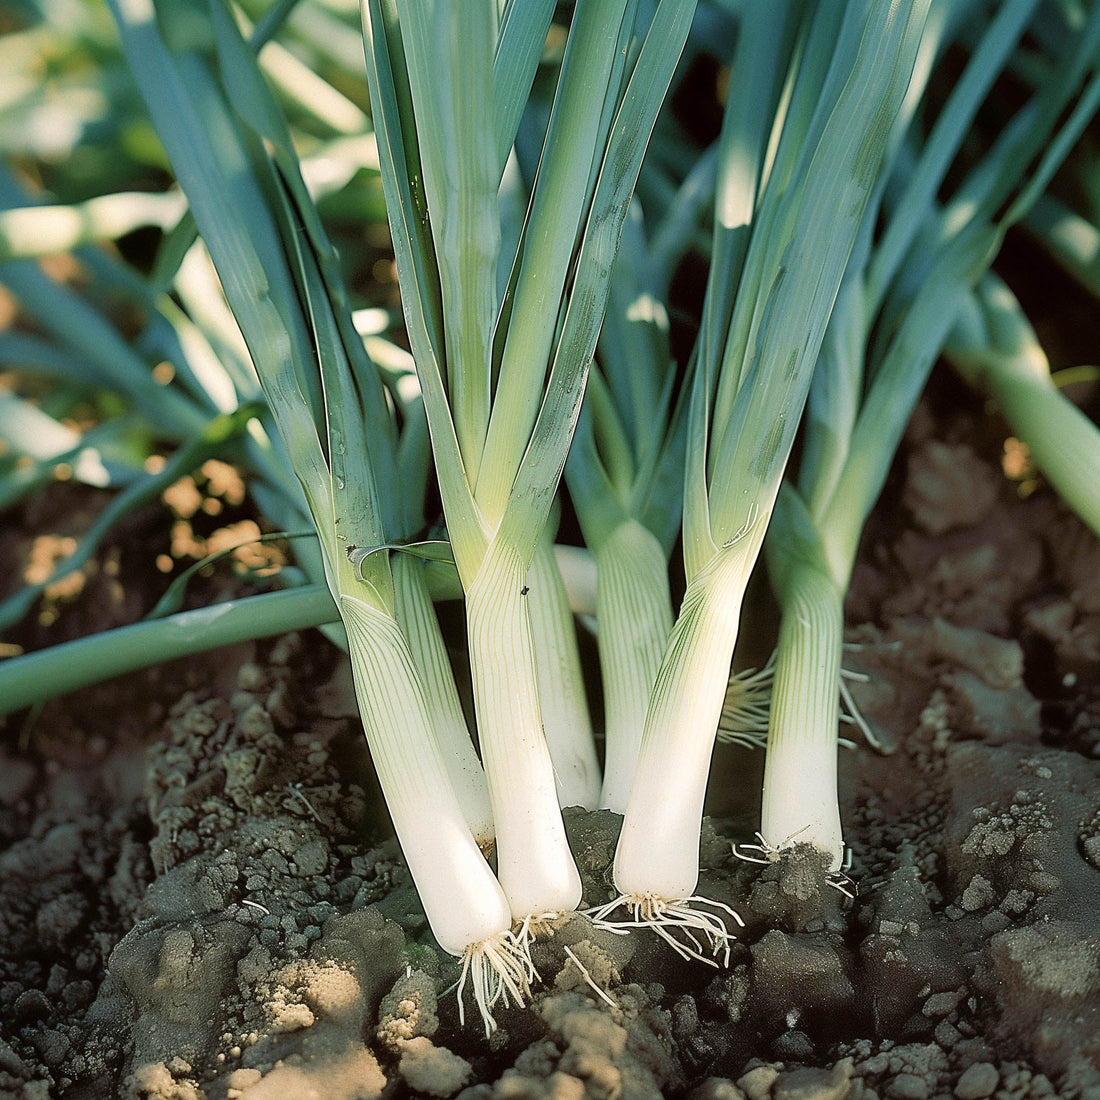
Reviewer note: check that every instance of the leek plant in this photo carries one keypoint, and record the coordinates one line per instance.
(363, 474)
(897, 305)
(503, 327)
(623, 475)
(798, 165)
(625, 478)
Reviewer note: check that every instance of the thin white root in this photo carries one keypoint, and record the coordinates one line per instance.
(842, 880)
(853, 713)
(747, 706)
(855, 676)
(601, 993)
(765, 852)
(665, 917)
(843, 883)
(296, 789)
(533, 926)
(501, 972)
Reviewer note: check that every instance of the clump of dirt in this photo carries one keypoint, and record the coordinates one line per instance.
(199, 896)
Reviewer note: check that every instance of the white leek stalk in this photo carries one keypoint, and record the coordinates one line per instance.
(416, 617)
(464, 902)
(534, 862)
(562, 699)
(634, 613)
(447, 87)
(750, 386)
(859, 409)
(362, 482)
(452, 877)
(657, 857)
(800, 768)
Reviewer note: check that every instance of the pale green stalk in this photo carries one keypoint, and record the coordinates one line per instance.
(562, 701)
(416, 616)
(634, 613)
(799, 803)
(658, 851)
(69, 666)
(36, 677)
(622, 474)
(995, 349)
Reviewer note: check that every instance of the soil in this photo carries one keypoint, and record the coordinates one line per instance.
(199, 896)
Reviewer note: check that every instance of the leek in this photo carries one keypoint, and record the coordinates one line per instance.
(624, 468)
(831, 131)
(911, 286)
(622, 480)
(445, 91)
(338, 426)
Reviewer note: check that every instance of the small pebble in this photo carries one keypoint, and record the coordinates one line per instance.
(1016, 901)
(908, 1086)
(757, 1083)
(1091, 844)
(31, 1006)
(946, 1034)
(793, 1046)
(811, 1083)
(717, 1088)
(1044, 882)
(940, 1004)
(978, 1082)
(978, 894)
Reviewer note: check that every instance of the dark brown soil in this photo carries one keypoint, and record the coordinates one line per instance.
(198, 899)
